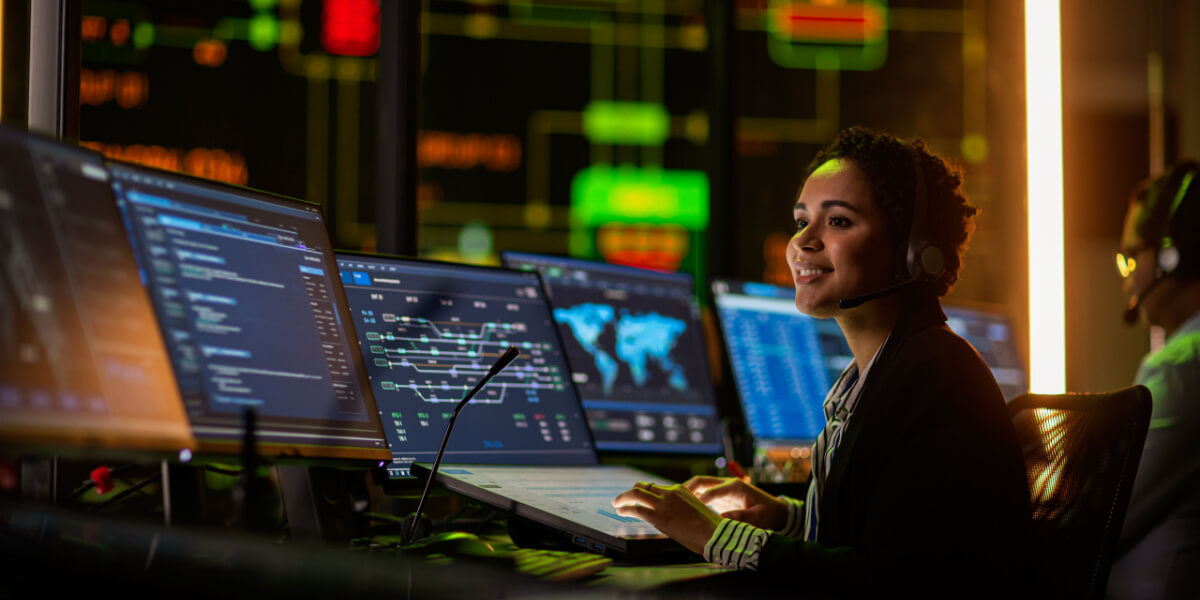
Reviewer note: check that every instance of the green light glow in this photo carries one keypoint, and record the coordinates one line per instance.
(143, 34)
(601, 194)
(263, 5)
(630, 123)
(974, 148)
(475, 241)
(264, 32)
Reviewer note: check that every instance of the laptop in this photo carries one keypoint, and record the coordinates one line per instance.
(429, 330)
(574, 502)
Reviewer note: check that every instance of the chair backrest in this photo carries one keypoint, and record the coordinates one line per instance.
(1081, 454)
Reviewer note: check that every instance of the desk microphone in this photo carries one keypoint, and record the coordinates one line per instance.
(854, 301)
(416, 525)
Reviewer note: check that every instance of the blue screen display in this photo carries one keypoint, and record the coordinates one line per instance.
(784, 362)
(248, 297)
(991, 335)
(431, 330)
(637, 354)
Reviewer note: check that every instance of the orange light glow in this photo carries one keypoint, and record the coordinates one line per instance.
(119, 32)
(660, 247)
(94, 28)
(775, 265)
(494, 152)
(215, 164)
(210, 53)
(129, 89)
(133, 90)
(209, 163)
(1044, 154)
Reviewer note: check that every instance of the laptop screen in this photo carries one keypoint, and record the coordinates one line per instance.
(430, 330)
(247, 294)
(82, 363)
(637, 353)
(783, 361)
(991, 335)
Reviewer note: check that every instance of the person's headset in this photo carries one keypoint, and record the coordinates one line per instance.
(1171, 259)
(922, 260)
(1169, 254)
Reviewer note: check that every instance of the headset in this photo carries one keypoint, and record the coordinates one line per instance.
(1170, 255)
(923, 260)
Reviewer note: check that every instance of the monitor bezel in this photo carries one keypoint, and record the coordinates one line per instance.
(401, 482)
(624, 455)
(278, 451)
(35, 440)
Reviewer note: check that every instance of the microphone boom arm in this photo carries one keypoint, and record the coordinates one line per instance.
(503, 362)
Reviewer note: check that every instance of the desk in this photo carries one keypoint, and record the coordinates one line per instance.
(61, 552)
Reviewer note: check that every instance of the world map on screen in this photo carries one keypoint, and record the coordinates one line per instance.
(637, 342)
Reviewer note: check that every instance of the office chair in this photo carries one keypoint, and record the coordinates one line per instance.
(1081, 454)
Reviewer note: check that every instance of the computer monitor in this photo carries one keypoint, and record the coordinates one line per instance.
(82, 362)
(634, 342)
(247, 294)
(783, 361)
(430, 330)
(991, 334)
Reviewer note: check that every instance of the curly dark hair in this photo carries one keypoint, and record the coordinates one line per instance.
(888, 161)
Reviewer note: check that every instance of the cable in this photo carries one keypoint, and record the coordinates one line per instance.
(90, 483)
(127, 493)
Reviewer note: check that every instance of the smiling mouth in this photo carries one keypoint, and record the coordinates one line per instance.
(809, 274)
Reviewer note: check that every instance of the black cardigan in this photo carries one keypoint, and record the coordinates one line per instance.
(927, 491)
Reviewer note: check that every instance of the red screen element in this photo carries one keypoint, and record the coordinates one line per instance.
(350, 27)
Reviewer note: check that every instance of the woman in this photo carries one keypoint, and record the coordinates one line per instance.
(917, 476)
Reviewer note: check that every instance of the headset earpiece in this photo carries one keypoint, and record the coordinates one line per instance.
(925, 261)
(1168, 259)
(1168, 255)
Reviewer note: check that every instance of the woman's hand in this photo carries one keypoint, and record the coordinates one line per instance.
(740, 501)
(674, 510)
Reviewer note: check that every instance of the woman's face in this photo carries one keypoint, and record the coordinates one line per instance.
(1142, 277)
(842, 246)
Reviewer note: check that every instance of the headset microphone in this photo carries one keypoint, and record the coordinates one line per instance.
(853, 301)
(1131, 312)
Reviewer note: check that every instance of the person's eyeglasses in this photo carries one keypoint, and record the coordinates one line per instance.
(1126, 264)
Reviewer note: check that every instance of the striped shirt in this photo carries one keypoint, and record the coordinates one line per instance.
(737, 544)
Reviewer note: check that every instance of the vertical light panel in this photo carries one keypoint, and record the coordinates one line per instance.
(1044, 144)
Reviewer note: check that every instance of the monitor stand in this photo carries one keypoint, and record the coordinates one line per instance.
(39, 480)
(318, 503)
